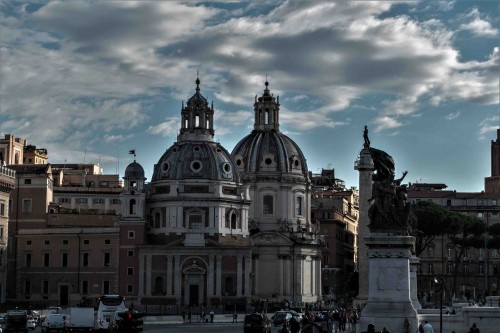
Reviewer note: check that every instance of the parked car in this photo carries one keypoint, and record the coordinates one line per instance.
(54, 322)
(281, 317)
(31, 323)
(256, 323)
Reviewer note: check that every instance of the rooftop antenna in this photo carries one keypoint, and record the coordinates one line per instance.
(85, 155)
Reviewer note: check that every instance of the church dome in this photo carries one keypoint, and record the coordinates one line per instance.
(196, 160)
(266, 149)
(134, 170)
(269, 151)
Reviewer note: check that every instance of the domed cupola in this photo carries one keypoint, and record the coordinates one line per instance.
(195, 155)
(266, 149)
(197, 118)
(134, 170)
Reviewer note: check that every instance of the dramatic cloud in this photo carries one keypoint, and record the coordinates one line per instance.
(478, 26)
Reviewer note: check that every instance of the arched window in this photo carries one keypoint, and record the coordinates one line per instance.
(298, 206)
(133, 207)
(16, 158)
(267, 204)
(197, 121)
(229, 286)
(266, 117)
(159, 285)
(157, 219)
(186, 122)
(233, 221)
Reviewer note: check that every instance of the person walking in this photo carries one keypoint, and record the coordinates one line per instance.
(474, 329)
(212, 314)
(428, 327)
(294, 325)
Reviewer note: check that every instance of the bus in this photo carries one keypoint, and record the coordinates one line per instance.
(107, 306)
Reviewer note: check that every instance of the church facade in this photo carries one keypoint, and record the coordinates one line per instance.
(225, 228)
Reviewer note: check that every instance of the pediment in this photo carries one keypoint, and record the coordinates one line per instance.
(270, 238)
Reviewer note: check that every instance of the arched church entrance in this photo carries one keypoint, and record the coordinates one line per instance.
(194, 271)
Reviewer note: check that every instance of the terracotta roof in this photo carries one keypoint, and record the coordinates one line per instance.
(30, 169)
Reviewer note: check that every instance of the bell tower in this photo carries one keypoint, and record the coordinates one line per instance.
(197, 118)
(266, 110)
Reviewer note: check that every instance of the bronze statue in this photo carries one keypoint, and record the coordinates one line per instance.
(365, 136)
(390, 210)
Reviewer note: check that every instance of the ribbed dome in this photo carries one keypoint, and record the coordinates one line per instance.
(134, 170)
(269, 151)
(196, 160)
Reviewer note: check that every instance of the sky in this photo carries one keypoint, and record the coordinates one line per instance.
(91, 80)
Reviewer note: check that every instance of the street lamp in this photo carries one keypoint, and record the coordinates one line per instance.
(439, 282)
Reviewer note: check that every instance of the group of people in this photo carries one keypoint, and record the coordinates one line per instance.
(334, 321)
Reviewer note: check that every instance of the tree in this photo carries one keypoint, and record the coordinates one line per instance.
(432, 220)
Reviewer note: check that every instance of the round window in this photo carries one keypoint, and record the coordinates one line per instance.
(296, 163)
(174, 150)
(238, 162)
(218, 150)
(165, 166)
(196, 148)
(227, 167)
(196, 166)
(268, 161)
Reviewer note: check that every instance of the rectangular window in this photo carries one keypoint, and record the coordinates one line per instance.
(481, 269)
(195, 221)
(1, 232)
(64, 200)
(466, 268)
(86, 242)
(450, 269)
(325, 261)
(298, 206)
(430, 252)
(130, 288)
(27, 181)
(81, 201)
(267, 204)
(64, 259)
(27, 206)
(45, 287)
(115, 201)
(46, 259)
(47, 242)
(85, 287)
(27, 261)
(130, 253)
(28, 242)
(65, 242)
(98, 201)
(430, 269)
(107, 241)
(107, 259)
(27, 287)
(105, 287)
(85, 259)
(2, 208)
(131, 234)
(130, 271)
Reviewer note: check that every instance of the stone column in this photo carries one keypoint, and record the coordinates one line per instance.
(148, 273)
(256, 273)
(218, 278)
(248, 270)
(177, 275)
(210, 276)
(141, 275)
(169, 274)
(280, 275)
(239, 275)
(414, 261)
(313, 275)
(364, 165)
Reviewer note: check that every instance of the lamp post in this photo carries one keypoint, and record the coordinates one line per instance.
(439, 281)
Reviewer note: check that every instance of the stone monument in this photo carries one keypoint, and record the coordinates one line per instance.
(389, 250)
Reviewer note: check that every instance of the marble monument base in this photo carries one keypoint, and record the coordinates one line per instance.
(389, 302)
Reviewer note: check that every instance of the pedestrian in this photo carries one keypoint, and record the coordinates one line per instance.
(420, 328)
(294, 325)
(189, 314)
(235, 317)
(428, 327)
(183, 314)
(212, 314)
(384, 330)
(474, 329)
(371, 328)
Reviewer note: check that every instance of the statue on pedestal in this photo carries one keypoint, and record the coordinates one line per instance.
(390, 210)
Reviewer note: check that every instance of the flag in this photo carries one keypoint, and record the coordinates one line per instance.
(131, 152)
